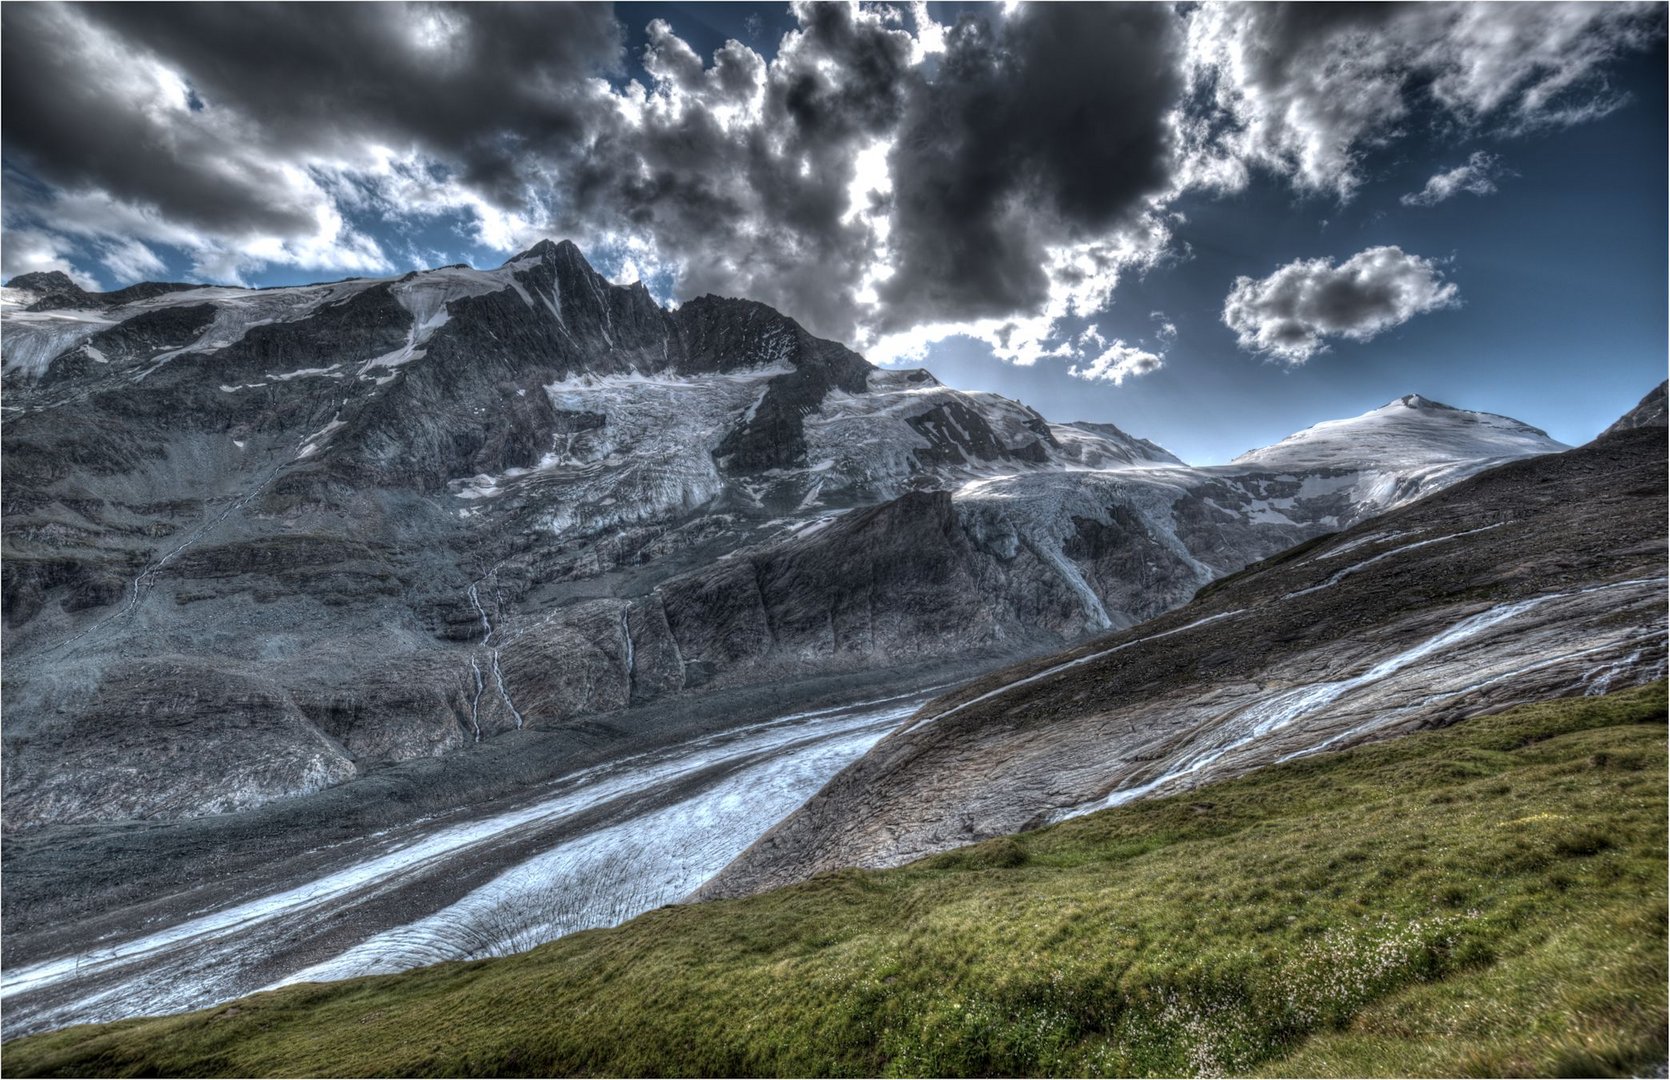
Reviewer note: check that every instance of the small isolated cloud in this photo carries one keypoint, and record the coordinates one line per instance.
(1290, 314)
(1477, 176)
(1164, 329)
(1119, 362)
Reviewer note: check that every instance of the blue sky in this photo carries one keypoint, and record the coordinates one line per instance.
(1562, 275)
(1543, 299)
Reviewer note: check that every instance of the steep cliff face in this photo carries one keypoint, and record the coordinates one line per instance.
(1539, 578)
(346, 524)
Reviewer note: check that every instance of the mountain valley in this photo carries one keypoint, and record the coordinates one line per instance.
(260, 542)
(359, 626)
(1538, 579)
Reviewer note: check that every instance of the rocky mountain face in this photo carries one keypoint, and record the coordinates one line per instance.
(262, 542)
(1539, 578)
(53, 290)
(1649, 413)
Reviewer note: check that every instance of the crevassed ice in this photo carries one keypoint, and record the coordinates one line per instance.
(201, 960)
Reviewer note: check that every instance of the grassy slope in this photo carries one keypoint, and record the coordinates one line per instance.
(1487, 899)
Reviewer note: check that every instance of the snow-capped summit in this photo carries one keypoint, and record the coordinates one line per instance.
(1416, 401)
(1408, 431)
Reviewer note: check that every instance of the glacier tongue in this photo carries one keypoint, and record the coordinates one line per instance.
(677, 816)
(605, 877)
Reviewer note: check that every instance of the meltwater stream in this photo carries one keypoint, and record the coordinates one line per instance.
(622, 838)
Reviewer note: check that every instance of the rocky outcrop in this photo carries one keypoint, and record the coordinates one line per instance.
(169, 737)
(524, 497)
(902, 580)
(1540, 578)
(1649, 413)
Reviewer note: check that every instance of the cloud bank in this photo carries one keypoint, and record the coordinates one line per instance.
(1289, 315)
(884, 178)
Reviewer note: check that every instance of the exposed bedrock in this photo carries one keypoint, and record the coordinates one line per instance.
(423, 511)
(1539, 578)
(169, 737)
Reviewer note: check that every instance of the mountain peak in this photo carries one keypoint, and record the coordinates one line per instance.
(43, 281)
(549, 250)
(1416, 401)
(53, 290)
(1407, 430)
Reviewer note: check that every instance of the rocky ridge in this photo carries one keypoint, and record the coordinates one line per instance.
(1539, 578)
(1649, 413)
(261, 542)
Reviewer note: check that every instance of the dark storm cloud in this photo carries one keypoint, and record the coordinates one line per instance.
(477, 85)
(742, 169)
(1044, 128)
(480, 84)
(1290, 314)
(73, 121)
(880, 177)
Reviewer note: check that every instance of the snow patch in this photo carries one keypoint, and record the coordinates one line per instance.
(313, 442)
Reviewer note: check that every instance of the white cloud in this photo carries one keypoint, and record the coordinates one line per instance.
(1304, 90)
(1535, 63)
(130, 260)
(930, 35)
(1119, 362)
(1290, 314)
(1475, 176)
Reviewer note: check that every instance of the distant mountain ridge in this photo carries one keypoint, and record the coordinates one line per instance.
(1411, 430)
(260, 542)
(1543, 577)
(52, 290)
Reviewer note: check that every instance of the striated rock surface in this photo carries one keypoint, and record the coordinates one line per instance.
(378, 520)
(1538, 578)
(1649, 413)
